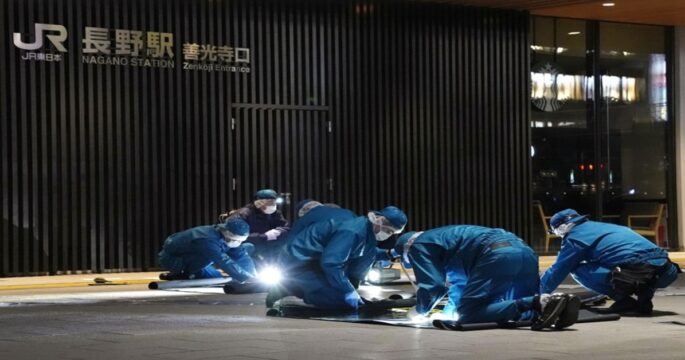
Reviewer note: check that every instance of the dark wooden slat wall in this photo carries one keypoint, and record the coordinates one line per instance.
(426, 105)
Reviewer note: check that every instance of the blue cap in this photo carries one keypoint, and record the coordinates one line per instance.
(236, 226)
(565, 217)
(394, 215)
(265, 194)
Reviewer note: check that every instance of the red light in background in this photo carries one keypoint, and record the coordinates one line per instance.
(582, 167)
(591, 167)
(601, 166)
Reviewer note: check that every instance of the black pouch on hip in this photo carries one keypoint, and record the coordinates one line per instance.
(628, 279)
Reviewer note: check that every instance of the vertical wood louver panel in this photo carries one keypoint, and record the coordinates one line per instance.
(365, 104)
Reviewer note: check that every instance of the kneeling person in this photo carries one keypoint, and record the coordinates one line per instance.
(327, 260)
(609, 259)
(493, 277)
(193, 253)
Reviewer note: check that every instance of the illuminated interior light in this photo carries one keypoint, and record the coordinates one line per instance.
(574, 33)
(608, 4)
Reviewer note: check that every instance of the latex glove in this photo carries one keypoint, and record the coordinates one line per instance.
(272, 234)
(353, 299)
(415, 316)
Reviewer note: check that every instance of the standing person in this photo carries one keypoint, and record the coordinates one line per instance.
(609, 259)
(194, 253)
(493, 277)
(328, 260)
(267, 225)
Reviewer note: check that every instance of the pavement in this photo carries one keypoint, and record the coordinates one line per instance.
(132, 322)
(87, 280)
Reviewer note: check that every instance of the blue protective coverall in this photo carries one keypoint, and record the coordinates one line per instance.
(488, 278)
(591, 250)
(260, 223)
(327, 260)
(195, 251)
(319, 214)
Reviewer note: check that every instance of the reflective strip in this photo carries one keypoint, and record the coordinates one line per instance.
(408, 244)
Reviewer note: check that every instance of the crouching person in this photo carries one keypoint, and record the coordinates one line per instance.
(326, 261)
(609, 259)
(493, 277)
(194, 253)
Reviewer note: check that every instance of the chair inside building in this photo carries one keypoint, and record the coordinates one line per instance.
(537, 207)
(647, 221)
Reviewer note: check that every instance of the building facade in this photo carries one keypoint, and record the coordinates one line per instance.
(122, 122)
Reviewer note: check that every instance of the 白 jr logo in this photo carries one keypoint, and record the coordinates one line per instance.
(57, 34)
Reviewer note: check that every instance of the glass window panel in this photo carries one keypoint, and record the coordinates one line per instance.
(625, 182)
(634, 119)
(562, 140)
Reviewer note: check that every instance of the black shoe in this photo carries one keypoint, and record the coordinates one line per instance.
(624, 306)
(552, 306)
(171, 276)
(644, 301)
(276, 293)
(569, 315)
(645, 308)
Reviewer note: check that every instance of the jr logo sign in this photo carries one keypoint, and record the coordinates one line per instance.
(56, 40)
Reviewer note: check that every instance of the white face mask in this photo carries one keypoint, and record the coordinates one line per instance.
(384, 232)
(229, 238)
(234, 243)
(382, 235)
(563, 229)
(269, 209)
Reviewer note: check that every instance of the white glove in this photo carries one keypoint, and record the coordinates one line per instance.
(414, 315)
(272, 234)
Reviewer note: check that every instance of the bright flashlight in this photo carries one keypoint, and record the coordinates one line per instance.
(270, 275)
(373, 276)
(279, 200)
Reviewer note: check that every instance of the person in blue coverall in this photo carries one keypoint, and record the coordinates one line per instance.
(492, 276)
(608, 259)
(194, 253)
(310, 212)
(267, 225)
(327, 260)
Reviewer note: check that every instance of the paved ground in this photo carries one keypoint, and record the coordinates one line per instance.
(131, 322)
